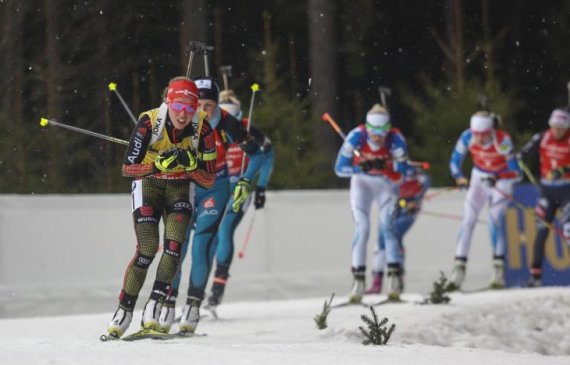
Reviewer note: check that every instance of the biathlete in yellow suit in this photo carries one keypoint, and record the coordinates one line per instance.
(171, 147)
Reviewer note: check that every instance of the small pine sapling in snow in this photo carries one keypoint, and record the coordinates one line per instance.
(321, 319)
(377, 333)
(439, 293)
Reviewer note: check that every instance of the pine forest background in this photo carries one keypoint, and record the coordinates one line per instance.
(442, 59)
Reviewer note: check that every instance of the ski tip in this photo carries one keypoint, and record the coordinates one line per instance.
(325, 117)
(44, 122)
(146, 333)
(112, 86)
(255, 87)
(108, 337)
(184, 334)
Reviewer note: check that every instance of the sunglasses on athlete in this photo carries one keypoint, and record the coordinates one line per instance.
(378, 130)
(178, 107)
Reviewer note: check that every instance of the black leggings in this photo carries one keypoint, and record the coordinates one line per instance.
(550, 200)
(153, 199)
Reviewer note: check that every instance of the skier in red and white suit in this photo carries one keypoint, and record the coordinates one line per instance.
(495, 170)
(552, 147)
(375, 157)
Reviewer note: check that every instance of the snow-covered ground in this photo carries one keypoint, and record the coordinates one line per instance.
(519, 326)
(64, 290)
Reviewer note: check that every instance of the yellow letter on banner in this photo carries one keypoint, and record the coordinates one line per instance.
(517, 239)
(556, 261)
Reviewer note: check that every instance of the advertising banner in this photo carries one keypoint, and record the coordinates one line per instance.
(520, 230)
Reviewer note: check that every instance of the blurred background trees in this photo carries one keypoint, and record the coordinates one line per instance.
(443, 60)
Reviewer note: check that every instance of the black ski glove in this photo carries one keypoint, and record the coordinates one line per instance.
(187, 160)
(377, 163)
(166, 160)
(462, 183)
(556, 173)
(259, 201)
(489, 181)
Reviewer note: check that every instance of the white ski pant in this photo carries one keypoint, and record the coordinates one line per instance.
(364, 190)
(478, 194)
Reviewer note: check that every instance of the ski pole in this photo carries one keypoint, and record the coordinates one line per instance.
(254, 89)
(241, 252)
(448, 216)
(44, 122)
(523, 207)
(527, 172)
(327, 118)
(449, 189)
(423, 164)
(113, 88)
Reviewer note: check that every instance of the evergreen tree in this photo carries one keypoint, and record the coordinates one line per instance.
(321, 319)
(298, 161)
(377, 332)
(439, 292)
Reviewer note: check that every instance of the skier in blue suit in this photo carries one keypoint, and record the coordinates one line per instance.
(412, 192)
(232, 217)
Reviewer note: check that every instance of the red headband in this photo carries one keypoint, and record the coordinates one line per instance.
(183, 89)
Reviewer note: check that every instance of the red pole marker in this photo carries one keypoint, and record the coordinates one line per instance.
(247, 237)
(327, 118)
(422, 164)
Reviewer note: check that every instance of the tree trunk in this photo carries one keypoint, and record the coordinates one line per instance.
(153, 86)
(218, 58)
(488, 48)
(270, 57)
(136, 85)
(323, 91)
(292, 64)
(11, 81)
(455, 35)
(52, 70)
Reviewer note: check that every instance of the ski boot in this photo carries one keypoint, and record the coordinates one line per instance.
(535, 279)
(457, 275)
(394, 283)
(190, 315)
(376, 286)
(120, 322)
(151, 315)
(167, 314)
(215, 298)
(498, 278)
(357, 291)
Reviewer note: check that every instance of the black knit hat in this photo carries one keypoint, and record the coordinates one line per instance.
(207, 88)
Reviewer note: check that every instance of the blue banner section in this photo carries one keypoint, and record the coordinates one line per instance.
(520, 231)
